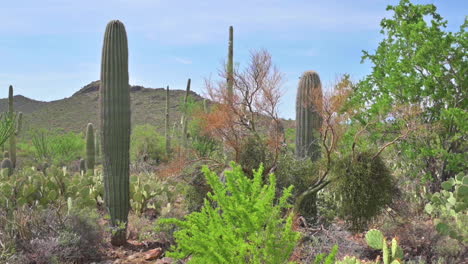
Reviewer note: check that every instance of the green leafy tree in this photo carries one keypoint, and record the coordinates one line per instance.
(419, 63)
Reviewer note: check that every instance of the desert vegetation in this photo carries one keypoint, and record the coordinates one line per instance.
(370, 171)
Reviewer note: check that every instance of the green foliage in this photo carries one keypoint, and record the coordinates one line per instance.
(390, 255)
(146, 142)
(253, 153)
(450, 208)
(239, 222)
(327, 259)
(365, 187)
(56, 146)
(420, 63)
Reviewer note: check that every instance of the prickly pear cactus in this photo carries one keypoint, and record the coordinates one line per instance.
(115, 128)
(376, 240)
(90, 148)
(308, 118)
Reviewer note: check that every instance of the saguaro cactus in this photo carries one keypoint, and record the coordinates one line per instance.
(184, 117)
(82, 166)
(230, 64)
(115, 128)
(168, 136)
(97, 147)
(12, 136)
(308, 122)
(308, 118)
(90, 148)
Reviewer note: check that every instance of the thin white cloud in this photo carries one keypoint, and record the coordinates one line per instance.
(183, 60)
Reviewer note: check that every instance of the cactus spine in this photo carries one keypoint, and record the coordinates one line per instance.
(308, 118)
(166, 130)
(90, 148)
(308, 123)
(230, 65)
(12, 136)
(115, 128)
(184, 117)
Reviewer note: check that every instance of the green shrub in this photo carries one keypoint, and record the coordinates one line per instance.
(253, 153)
(147, 143)
(56, 146)
(364, 185)
(239, 222)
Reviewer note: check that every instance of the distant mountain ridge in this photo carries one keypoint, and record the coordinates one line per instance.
(75, 112)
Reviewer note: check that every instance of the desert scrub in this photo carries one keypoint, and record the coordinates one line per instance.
(364, 187)
(239, 222)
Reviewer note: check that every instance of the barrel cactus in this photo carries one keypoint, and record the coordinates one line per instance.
(308, 118)
(7, 166)
(115, 128)
(90, 147)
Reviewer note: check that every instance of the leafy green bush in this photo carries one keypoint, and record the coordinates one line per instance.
(147, 143)
(450, 208)
(57, 147)
(239, 222)
(364, 185)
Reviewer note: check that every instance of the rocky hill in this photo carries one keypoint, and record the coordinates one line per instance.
(75, 112)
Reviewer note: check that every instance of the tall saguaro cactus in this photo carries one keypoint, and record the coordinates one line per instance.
(115, 128)
(90, 148)
(184, 117)
(308, 118)
(230, 64)
(166, 130)
(308, 122)
(12, 136)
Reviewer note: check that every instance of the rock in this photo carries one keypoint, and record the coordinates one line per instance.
(153, 254)
(164, 261)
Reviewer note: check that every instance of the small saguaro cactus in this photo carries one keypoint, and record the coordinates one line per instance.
(90, 148)
(82, 166)
(115, 128)
(166, 130)
(184, 116)
(230, 65)
(12, 136)
(7, 166)
(308, 118)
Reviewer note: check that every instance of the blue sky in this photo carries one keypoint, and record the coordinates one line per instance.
(51, 48)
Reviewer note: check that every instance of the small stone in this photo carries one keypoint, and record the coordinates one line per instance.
(153, 254)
